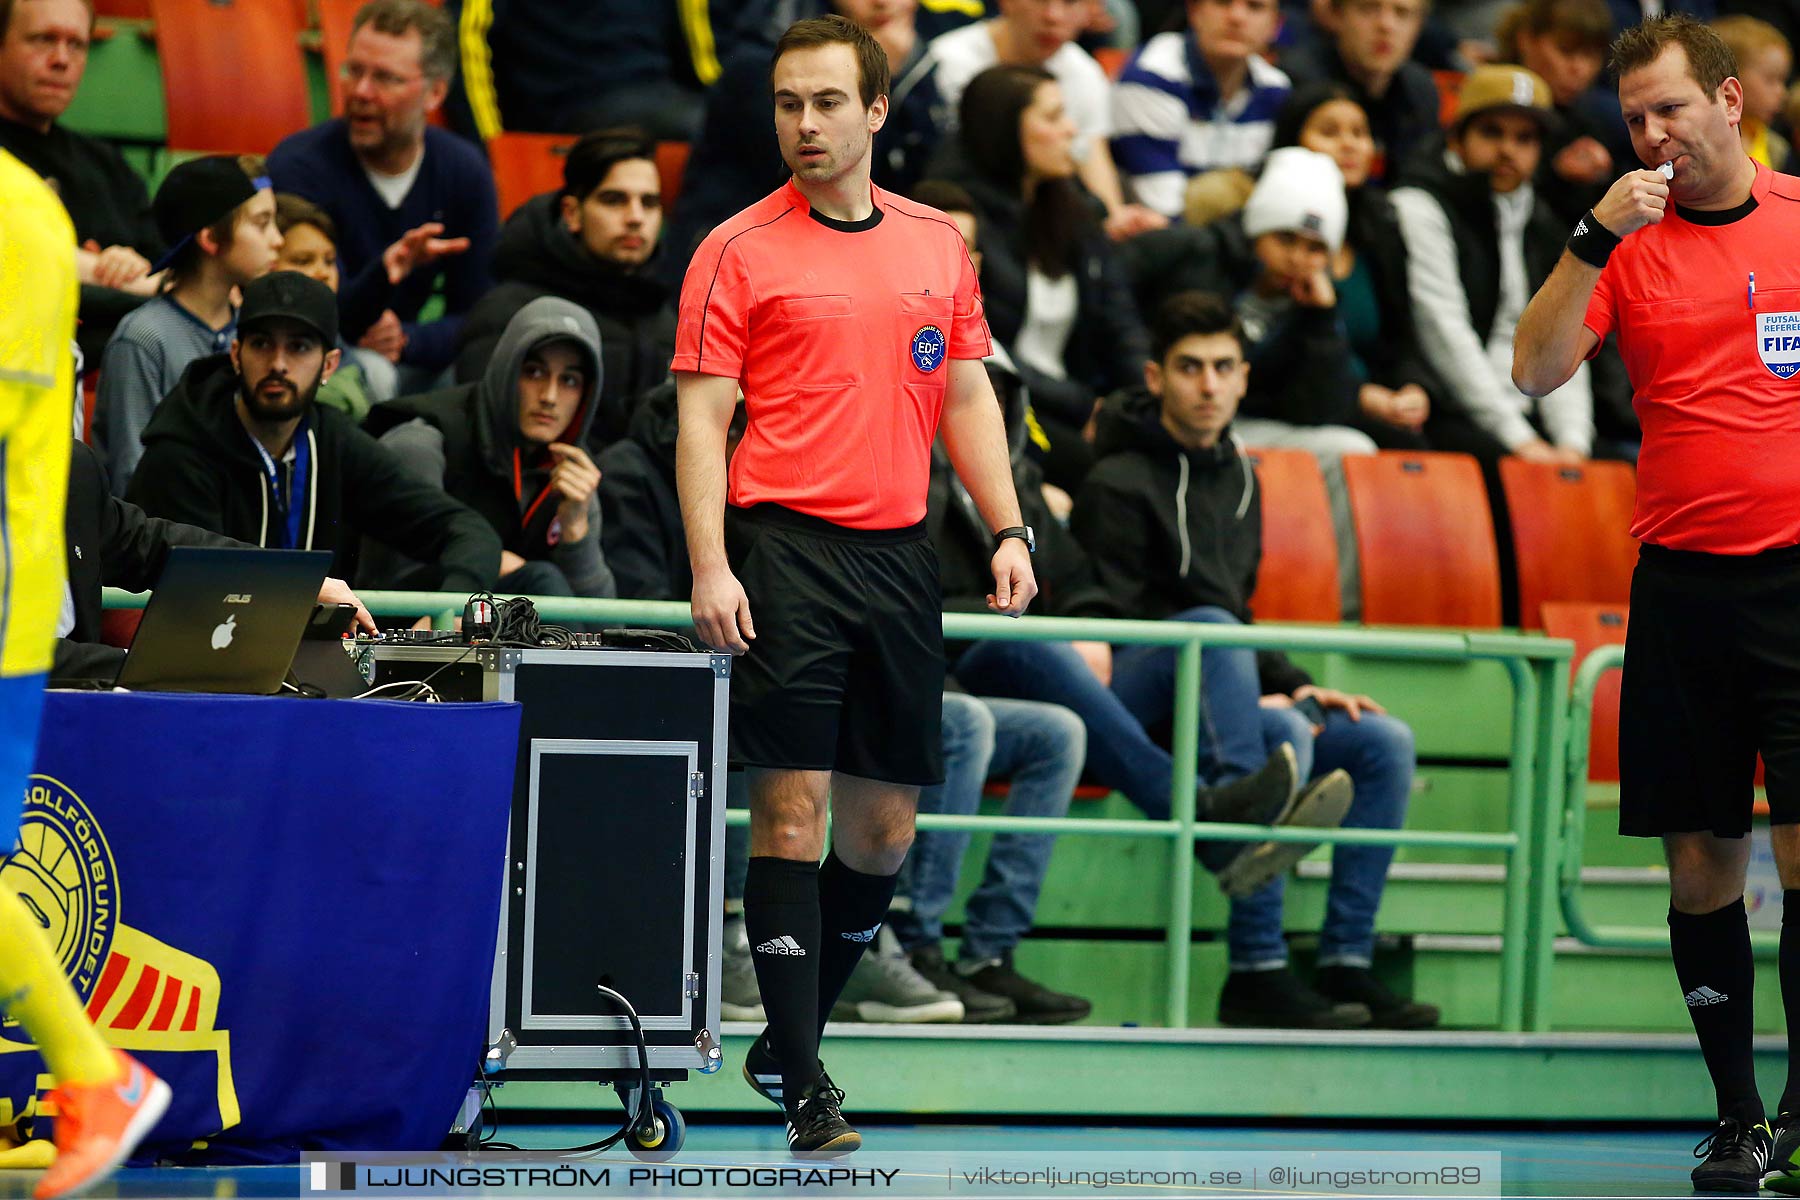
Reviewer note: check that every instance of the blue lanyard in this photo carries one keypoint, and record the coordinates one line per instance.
(289, 504)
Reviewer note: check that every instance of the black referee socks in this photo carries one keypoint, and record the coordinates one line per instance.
(1717, 974)
(852, 907)
(781, 918)
(1788, 963)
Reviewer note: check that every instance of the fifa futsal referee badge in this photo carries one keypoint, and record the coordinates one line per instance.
(1778, 342)
(928, 348)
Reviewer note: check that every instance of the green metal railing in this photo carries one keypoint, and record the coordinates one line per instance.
(1574, 825)
(1536, 667)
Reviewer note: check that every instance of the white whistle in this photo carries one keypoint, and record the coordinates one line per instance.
(1668, 169)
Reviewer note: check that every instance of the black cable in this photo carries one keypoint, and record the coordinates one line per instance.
(632, 1119)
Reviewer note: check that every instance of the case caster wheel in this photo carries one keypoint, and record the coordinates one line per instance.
(667, 1130)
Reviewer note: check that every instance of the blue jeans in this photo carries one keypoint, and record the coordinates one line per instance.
(1121, 754)
(1237, 735)
(1040, 747)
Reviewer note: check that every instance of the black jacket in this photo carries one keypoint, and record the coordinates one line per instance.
(1067, 584)
(1171, 529)
(1402, 118)
(537, 256)
(1468, 203)
(1107, 346)
(641, 529)
(465, 439)
(201, 467)
(109, 543)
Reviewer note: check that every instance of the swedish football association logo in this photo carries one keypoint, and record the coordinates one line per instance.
(64, 874)
(144, 994)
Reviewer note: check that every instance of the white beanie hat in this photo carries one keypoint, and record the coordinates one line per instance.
(1300, 189)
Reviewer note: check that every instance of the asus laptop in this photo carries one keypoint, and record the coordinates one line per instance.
(224, 620)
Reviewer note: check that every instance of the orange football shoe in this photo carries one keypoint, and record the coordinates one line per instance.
(97, 1127)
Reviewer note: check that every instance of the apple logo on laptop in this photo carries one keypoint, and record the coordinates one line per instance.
(222, 635)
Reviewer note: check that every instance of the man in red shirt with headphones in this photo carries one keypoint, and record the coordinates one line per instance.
(851, 320)
(1692, 262)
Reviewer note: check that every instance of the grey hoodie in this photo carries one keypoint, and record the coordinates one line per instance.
(467, 439)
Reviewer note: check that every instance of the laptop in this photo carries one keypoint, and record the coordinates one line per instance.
(321, 663)
(224, 620)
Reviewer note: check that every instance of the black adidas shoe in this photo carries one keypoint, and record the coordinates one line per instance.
(1736, 1157)
(762, 1071)
(1783, 1172)
(1035, 1003)
(1279, 999)
(817, 1127)
(979, 1007)
(1387, 1009)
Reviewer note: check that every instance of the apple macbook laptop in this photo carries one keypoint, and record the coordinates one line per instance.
(224, 620)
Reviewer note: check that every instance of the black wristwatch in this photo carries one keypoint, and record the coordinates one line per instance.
(1022, 532)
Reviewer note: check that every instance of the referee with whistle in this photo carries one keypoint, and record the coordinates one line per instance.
(1691, 262)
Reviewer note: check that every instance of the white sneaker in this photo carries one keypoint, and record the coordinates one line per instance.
(739, 999)
(886, 988)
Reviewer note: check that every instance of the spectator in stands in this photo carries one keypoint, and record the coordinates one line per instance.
(239, 448)
(594, 242)
(735, 159)
(1368, 272)
(1369, 50)
(1197, 101)
(1479, 242)
(309, 246)
(1040, 34)
(641, 531)
(1765, 60)
(109, 543)
(565, 66)
(1039, 749)
(1171, 516)
(218, 214)
(43, 55)
(391, 181)
(1121, 752)
(1303, 389)
(1587, 147)
(510, 446)
(1051, 283)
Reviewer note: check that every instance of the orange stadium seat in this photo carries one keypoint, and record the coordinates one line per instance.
(1449, 88)
(671, 165)
(527, 165)
(233, 78)
(1425, 539)
(1591, 626)
(335, 19)
(1298, 580)
(1112, 59)
(1570, 536)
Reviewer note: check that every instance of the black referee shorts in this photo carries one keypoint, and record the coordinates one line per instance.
(847, 669)
(1712, 678)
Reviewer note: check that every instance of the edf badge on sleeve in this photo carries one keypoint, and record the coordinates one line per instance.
(1778, 343)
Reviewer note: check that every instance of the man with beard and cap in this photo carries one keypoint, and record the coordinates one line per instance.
(510, 447)
(240, 448)
(595, 242)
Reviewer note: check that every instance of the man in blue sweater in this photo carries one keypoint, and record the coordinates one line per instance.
(379, 171)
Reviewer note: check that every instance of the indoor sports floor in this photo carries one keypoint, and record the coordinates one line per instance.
(1581, 1163)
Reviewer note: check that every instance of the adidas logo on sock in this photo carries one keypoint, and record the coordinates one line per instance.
(782, 945)
(1700, 997)
(864, 936)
